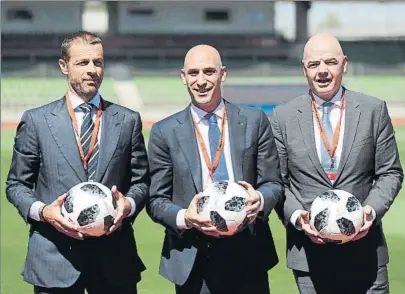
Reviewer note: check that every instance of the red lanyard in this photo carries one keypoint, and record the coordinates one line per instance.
(331, 149)
(212, 166)
(86, 158)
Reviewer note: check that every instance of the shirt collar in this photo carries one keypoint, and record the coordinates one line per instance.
(76, 100)
(335, 100)
(199, 114)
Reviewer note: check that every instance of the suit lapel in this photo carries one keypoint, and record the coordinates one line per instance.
(237, 139)
(352, 116)
(185, 135)
(60, 125)
(110, 134)
(306, 123)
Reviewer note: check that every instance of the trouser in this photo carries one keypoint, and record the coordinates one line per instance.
(92, 285)
(364, 282)
(209, 276)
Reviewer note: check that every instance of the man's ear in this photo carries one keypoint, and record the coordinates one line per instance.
(304, 69)
(183, 76)
(345, 64)
(224, 72)
(63, 66)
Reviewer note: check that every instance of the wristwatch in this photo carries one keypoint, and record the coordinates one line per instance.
(41, 213)
(298, 223)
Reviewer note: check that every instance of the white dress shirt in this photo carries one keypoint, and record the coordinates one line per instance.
(334, 119)
(76, 102)
(203, 126)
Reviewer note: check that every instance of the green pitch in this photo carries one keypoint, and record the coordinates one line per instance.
(35, 91)
(14, 236)
(172, 90)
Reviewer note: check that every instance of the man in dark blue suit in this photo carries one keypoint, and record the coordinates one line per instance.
(47, 162)
(193, 257)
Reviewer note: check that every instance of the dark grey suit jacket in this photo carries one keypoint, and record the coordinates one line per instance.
(369, 168)
(46, 163)
(175, 168)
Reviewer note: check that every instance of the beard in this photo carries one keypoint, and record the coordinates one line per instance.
(81, 91)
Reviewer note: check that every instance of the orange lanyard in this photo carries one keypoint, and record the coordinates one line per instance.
(331, 151)
(212, 166)
(86, 158)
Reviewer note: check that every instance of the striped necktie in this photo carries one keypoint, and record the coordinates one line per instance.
(221, 172)
(327, 126)
(86, 132)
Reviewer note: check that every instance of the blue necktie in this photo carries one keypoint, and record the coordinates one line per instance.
(221, 173)
(327, 126)
(86, 131)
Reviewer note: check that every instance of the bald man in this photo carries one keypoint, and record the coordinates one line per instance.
(194, 256)
(365, 163)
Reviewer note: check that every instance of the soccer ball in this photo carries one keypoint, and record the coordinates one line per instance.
(224, 203)
(337, 216)
(91, 206)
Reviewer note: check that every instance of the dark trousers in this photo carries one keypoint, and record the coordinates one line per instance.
(343, 282)
(92, 285)
(93, 279)
(210, 275)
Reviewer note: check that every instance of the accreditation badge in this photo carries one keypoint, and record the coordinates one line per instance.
(331, 175)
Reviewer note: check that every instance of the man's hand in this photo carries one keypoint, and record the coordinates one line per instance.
(193, 219)
(368, 221)
(252, 203)
(303, 222)
(123, 209)
(52, 214)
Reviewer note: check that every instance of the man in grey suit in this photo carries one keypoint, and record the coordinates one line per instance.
(194, 258)
(47, 162)
(363, 160)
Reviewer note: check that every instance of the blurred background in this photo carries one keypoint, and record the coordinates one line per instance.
(145, 42)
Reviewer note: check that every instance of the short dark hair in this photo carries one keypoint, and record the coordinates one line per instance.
(86, 37)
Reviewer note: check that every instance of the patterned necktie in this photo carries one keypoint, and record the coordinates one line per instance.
(221, 173)
(86, 132)
(327, 126)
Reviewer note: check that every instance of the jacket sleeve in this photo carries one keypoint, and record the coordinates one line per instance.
(388, 171)
(160, 207)
(269, 181)
(24, 168)
(290, 202)
(140, 180)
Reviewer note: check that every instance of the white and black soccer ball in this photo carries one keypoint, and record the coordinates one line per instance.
(91, 206)
(336, 215)
(224, 203)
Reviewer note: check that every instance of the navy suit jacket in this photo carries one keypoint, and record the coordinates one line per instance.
(46, 164)
(175, 168)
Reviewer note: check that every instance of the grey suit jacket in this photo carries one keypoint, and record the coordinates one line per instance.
(175, 168)
(46, 163)
(369, 168)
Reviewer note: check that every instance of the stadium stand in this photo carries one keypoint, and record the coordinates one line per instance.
(168, 46)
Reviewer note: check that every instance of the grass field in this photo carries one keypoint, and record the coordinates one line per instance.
(42, 90)
(171, 90)
(14, 236)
